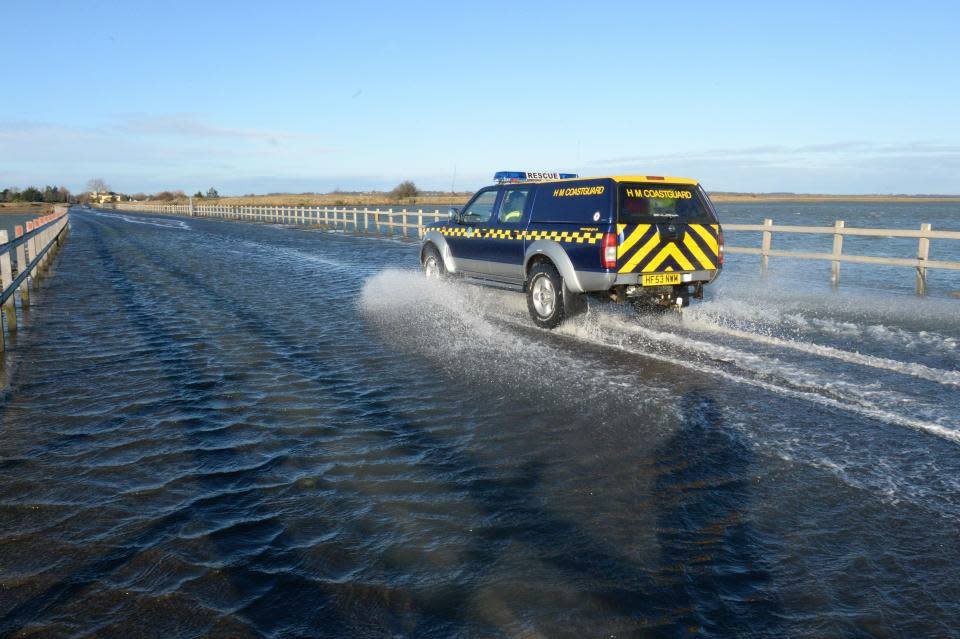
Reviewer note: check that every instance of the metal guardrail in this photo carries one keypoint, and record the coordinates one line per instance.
(377, 221)
(25, 259)
(839, 230)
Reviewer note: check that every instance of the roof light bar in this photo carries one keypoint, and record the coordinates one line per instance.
(530, 176)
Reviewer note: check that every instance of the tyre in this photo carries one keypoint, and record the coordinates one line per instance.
(545, 293)
(432, 263)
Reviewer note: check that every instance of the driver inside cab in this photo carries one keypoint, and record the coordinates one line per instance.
(513, 206)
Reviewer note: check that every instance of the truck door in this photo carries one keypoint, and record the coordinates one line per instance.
(501, 250)
(468, 236)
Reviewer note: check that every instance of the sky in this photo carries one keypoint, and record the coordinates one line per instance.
(257, 97)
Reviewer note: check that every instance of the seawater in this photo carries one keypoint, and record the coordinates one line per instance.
(225, 429)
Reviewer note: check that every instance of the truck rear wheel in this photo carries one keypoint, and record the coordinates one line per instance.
(545, 293)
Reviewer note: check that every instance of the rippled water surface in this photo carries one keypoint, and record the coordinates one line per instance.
(223, 429)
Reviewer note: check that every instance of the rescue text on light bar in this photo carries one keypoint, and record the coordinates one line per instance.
(531, 176)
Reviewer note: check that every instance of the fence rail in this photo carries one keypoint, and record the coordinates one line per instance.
(25, 259)
(839, 230)
(375, 221)
(391, 222)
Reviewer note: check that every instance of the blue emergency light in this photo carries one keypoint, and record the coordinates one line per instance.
(529, 176)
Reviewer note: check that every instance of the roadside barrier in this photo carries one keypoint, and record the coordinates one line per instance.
(839, 230)
(26, 259)
(410, 224)
(366, 221)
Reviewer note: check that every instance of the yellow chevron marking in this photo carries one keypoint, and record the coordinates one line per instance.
(694, 248)
(620, 228)
(641, 253)
(707, 237)
(631, 239)
(669, 269)
(670, 250)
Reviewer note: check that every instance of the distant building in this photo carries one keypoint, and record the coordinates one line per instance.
(104, 197)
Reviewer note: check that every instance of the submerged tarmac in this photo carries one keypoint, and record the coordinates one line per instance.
(239, 430)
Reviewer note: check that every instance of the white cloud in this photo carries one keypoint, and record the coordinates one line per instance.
(131, 151)
(192, 126)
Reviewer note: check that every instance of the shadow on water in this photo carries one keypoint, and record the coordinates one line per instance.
(708, 581)
(710, 557)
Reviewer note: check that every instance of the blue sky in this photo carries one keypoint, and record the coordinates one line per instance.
(308, 96)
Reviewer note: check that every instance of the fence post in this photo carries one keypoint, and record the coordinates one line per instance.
(31, 254)
(837, 251)
(923, 254)
(6, 279)
(21, 263)
(765, 247)
(419, 222)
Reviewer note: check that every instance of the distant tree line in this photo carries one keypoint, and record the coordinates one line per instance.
(33, 194)
(166, 196)
(406, 190)
(211, 193)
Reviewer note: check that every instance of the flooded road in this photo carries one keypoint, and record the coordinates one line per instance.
(224, 429)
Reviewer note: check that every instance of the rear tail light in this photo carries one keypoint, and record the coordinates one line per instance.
(720, 246)
(608, 255)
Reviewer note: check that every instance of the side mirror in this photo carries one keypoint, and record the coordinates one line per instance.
(454, 215)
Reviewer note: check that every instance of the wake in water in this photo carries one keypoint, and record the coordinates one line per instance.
(464, 317)
(462, 330)
(164, 224)
(825, 402)
(883, 325)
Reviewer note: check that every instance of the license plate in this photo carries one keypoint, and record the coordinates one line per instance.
(660, 279)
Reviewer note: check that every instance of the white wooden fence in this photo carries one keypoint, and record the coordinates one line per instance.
(402, 223)
(839, 230)
(374, 221)
(26, 258)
